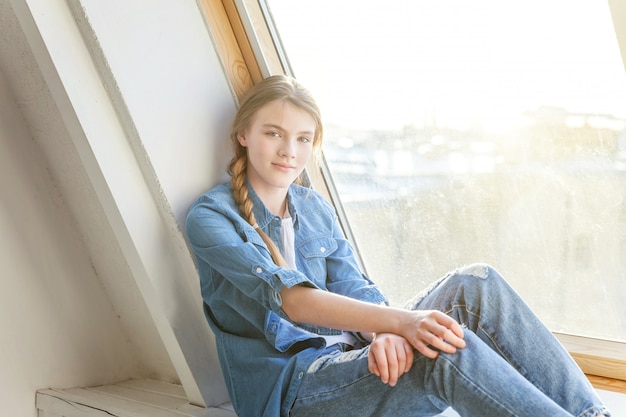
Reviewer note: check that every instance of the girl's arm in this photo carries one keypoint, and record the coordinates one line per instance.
(428, 331)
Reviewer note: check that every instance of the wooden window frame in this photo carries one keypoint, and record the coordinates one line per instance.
(250, 50)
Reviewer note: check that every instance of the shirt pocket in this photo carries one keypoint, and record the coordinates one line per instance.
(314, 253)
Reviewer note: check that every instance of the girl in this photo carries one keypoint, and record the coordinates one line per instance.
(301, 331)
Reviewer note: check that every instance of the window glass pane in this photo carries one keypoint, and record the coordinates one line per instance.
(484, 131)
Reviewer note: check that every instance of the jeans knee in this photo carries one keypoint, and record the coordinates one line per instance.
(480, 281)
(476, 270)
(485, 273)
(467, 282)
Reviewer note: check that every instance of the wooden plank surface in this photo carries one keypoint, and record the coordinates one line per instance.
(137, 398)
(158, 387)
(228, 47)
(593, 365)
(51, 403)
(596, 356)
(608, 384)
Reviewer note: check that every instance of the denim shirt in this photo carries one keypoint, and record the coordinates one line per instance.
(263, 354)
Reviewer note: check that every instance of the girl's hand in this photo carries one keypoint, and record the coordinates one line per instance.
(389, 357)
(431, 331)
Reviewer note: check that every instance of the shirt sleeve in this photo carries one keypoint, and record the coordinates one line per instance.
(235, 251)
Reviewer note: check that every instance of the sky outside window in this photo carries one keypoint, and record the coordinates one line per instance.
(485, 62)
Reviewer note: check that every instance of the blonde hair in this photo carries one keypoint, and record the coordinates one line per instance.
(277, 87)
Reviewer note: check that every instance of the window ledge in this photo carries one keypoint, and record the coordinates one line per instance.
(595, 356)
(608, 384)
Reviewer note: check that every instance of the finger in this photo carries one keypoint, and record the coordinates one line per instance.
(402, 358)
(394, 364)
(408, 349)
(382, 364)
(442, 346)
(404, 354)
(457, 329)
(425, 350)
(435, 339)
(451, 339)
(452, 325)
(371, 364)
(440, 329)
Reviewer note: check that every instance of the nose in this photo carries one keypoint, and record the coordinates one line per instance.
(288, 148)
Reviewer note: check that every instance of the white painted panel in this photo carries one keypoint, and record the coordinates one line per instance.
(166, 71)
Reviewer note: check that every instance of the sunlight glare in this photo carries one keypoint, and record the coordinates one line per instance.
(479, 64)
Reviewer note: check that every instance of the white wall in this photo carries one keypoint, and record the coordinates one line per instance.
(113, 118)
(58, 326)
(165, 69)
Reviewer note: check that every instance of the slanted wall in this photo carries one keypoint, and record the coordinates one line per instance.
(113, 117)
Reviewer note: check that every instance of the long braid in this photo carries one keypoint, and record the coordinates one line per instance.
(238, 169)
(240, 190)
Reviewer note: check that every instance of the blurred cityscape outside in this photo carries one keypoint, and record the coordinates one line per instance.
(545, 205)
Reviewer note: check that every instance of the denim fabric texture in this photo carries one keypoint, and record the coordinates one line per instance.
(262, 353)
(512, 365)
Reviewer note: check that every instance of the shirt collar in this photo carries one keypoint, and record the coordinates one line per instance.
(263, 216)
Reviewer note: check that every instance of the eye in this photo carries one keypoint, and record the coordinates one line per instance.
(304, 139)
(273, 133)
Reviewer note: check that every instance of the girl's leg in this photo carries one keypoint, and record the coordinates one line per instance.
(503, 337)
(479, 298)
(476, 381)
(339, 384)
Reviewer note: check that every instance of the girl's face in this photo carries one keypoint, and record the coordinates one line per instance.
(280, 142)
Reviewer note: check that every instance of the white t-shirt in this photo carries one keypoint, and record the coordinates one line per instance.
(289, 254)
(288, 240)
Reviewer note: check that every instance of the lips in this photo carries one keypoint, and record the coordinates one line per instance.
(283, 166)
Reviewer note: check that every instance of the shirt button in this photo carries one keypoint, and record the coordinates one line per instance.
(322, 249)
(300, 375)
(259, 270)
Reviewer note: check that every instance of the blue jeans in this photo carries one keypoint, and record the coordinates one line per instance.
(512, 365)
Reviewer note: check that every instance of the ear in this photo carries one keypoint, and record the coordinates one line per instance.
(241, 137)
